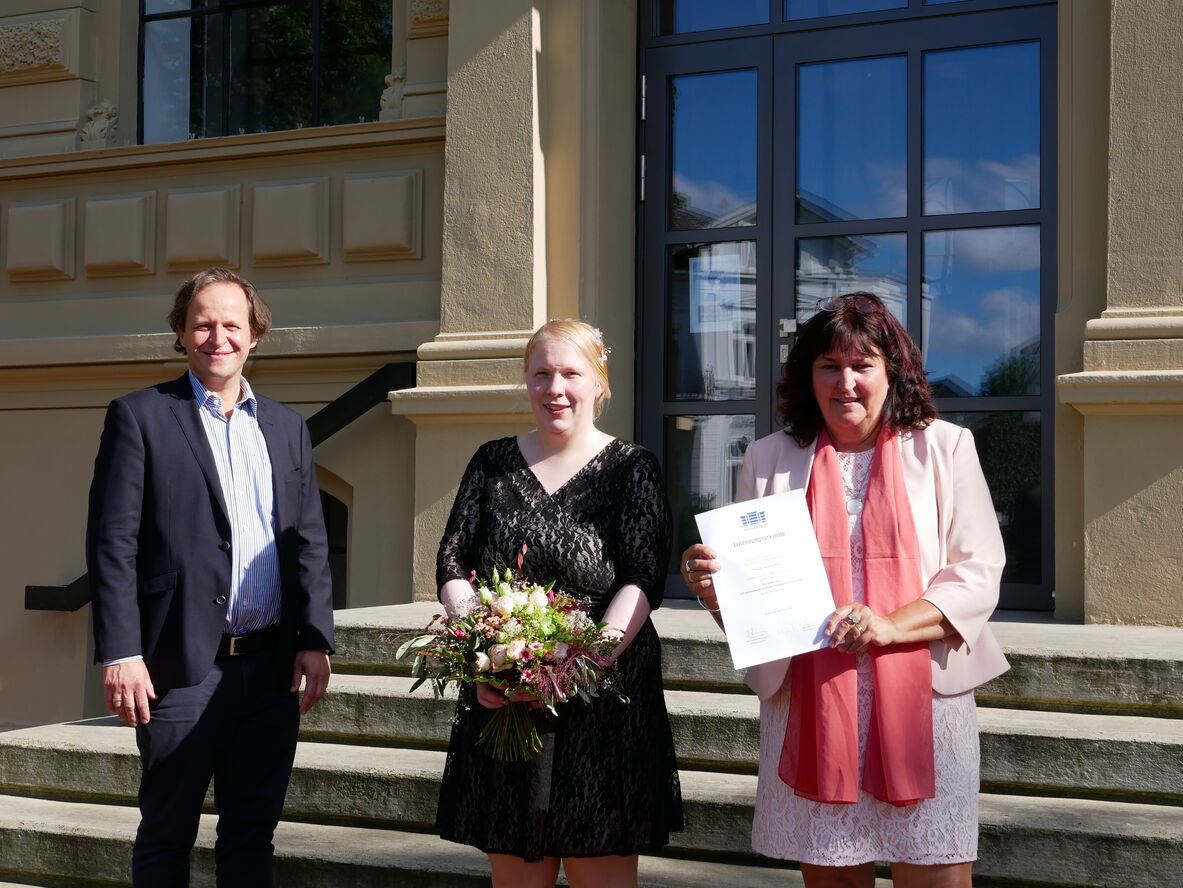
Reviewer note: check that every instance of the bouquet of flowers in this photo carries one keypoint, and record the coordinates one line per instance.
(521, 638)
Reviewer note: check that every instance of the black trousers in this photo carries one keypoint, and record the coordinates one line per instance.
(238, 727)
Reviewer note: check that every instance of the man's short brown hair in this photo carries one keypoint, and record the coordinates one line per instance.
(260, 314)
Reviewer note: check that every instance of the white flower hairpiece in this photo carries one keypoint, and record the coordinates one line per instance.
(598, 338)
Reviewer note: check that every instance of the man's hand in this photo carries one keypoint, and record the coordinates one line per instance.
(314, 668)
(127, 688)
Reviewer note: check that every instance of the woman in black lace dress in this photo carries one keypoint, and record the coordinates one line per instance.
(592, 513)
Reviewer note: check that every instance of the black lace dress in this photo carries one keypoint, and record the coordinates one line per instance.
(606, 781)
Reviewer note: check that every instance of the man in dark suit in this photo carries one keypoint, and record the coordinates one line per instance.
(212, 598)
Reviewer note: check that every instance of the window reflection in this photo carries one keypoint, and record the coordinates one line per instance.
(274, 72)
(803, 9)
(832, 266)
(684, 16)
(1008, 444)
(713, 150)
(271, 68)
(852, 140)
(154, 6)
(981, 129)
(711, 322)
(177, 54)
(981, 306)
(703, 456)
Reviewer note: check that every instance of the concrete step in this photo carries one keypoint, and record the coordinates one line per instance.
(1131, 758)
(1128, 669)
(1135, 757)
(331, 782)
(1022, 837)
(61, 840)
(710, 729)
(1127, 757)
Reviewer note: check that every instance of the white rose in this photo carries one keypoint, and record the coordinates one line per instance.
(503, 606)
(515, 649)
(483, 662)
(539, 599)
(497, 656)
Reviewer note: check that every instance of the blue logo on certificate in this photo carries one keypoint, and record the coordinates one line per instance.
(751, 519)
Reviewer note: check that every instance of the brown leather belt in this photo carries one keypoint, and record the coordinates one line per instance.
(252, 642)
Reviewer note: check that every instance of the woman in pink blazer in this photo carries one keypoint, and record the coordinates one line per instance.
(869, 747)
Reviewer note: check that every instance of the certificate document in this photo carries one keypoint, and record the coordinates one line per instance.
(772, 588)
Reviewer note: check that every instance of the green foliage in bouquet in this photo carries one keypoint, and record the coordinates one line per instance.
(521, 638)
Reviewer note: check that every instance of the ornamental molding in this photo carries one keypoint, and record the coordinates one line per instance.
(35, 49)
(101, 126)
(391, 103)
(427, 18)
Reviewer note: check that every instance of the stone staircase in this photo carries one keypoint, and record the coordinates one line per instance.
(1082, 771)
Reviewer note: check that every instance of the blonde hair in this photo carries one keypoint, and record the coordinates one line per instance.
(587, 340)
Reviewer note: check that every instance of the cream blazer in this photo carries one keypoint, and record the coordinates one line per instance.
(961, 553)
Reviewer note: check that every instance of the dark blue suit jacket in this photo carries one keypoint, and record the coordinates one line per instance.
(158, 539)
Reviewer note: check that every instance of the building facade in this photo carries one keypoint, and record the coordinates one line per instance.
(418, 182)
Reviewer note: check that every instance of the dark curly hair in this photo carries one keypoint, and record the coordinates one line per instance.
(855, 322)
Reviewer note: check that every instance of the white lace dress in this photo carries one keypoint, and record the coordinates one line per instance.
(943, 829)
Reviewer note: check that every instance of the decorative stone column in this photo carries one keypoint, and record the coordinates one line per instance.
(1130, 390)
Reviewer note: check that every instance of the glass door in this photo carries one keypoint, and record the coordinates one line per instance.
(836, 152)
(705, 369)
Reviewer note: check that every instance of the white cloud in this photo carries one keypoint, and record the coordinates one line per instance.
(1002, 319)
(709, 196)
(1004, 249)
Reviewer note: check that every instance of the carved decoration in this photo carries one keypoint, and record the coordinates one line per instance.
(428, 18)
(391, 103)
(37, 49)
(100, 128)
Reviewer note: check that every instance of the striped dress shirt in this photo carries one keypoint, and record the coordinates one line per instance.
(244, 471)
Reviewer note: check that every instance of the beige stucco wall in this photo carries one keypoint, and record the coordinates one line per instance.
(1129, 390)
(340, 228)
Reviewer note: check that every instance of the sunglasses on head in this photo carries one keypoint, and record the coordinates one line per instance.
(858, 301)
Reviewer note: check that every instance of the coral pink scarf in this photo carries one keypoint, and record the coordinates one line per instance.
(819, 758)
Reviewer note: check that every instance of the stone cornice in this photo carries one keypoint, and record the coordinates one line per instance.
(1165, 322)
(444, 404)
(1123, 392)
(282, 342)
(378, 134)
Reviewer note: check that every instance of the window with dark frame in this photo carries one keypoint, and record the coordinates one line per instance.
(798, 149)
(225, 67)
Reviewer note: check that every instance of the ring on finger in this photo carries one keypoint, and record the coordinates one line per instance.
(686, 564)
(853, 618)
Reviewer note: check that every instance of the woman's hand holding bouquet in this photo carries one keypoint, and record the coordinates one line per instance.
(528, 645)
